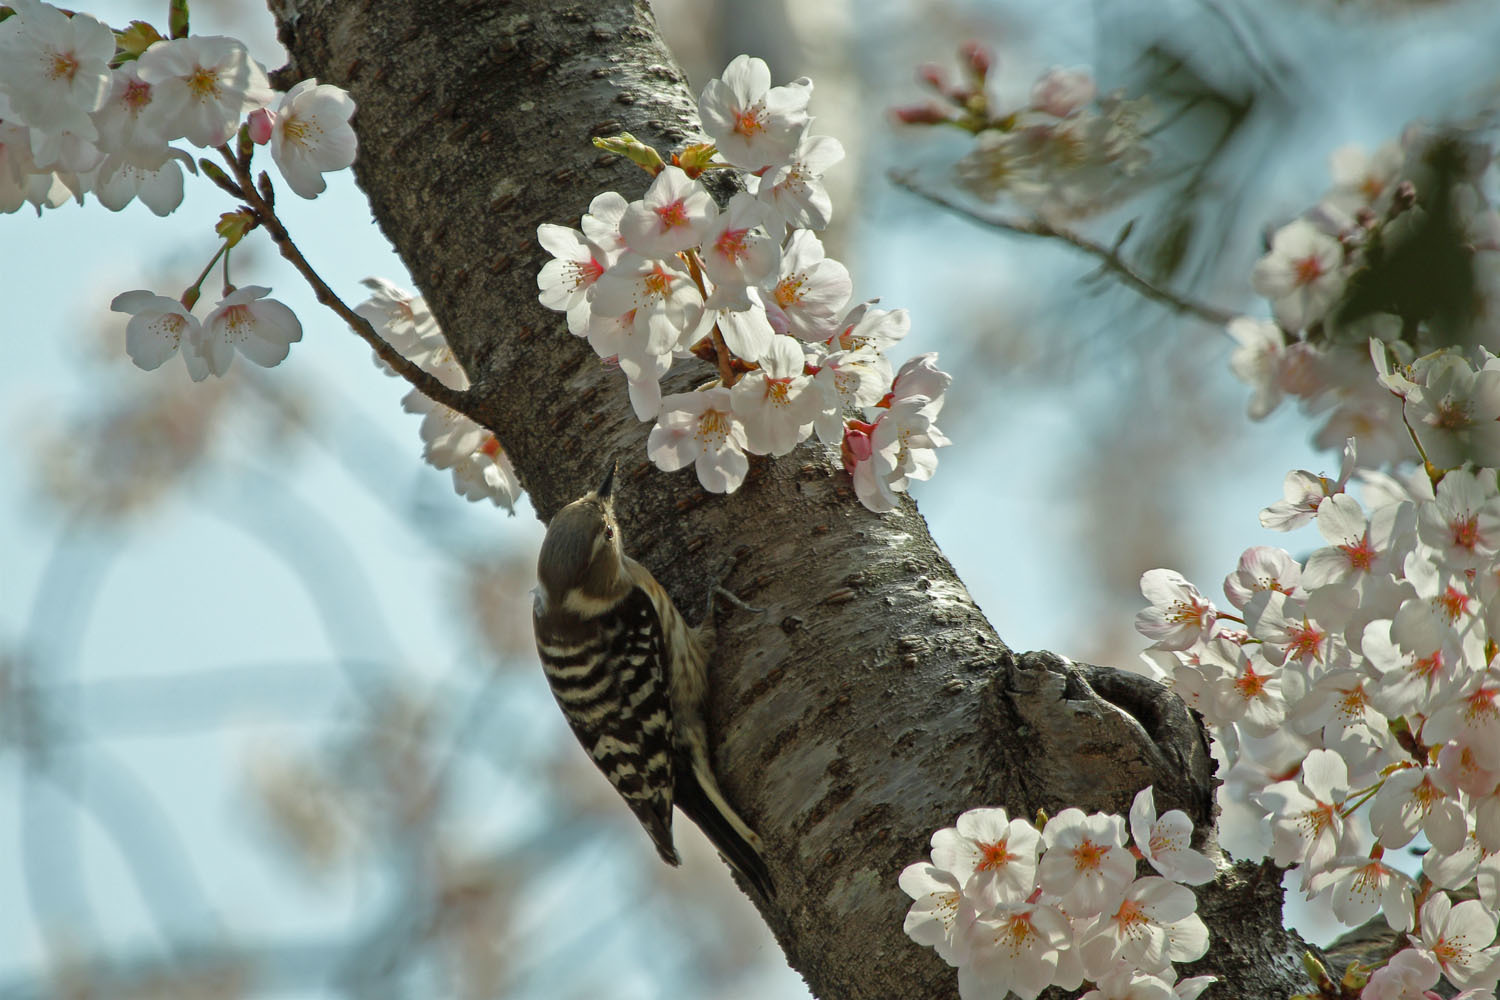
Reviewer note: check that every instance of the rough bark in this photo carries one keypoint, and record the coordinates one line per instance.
(872, 702)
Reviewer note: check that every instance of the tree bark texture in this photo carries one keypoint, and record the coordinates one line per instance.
(872, 702)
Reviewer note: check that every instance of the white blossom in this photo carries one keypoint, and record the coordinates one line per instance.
(201, 86)
(312, 135)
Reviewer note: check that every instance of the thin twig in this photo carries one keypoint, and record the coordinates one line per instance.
(727, 377)
(1109, 258)
(425, 382)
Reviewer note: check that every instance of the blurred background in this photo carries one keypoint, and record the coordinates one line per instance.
(271, 723)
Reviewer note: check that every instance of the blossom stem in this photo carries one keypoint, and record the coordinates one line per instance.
(727, 377)
(425, 382)
(203, 275)
(1109, 257)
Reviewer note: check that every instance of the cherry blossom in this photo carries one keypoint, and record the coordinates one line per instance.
(736, 249)
(158, 328)
(448, 437)
(666, 304)
(676, 213)
(1407, 976)
(1153, 924)
(777, 402)
(1086, 865)
(1263, 568)
(1164, 841)
(1178, 616)
(1303, 492)
(1463, 522)
(856, 378)
(312, 135)
(1301, 275)
(159, 187)
(990, 854)
(1454, 411)
(54, 69)
(486, 474)
(122, 123)
(1458, 937)
(794, 190)
(201, 86)
(1015, 947)
(1408, 801)
(933, 919)
(810, 291)
(567, 280)
(247, 322)
(701, 428)
(1360, 887)
(754, 124)
(1306, 823)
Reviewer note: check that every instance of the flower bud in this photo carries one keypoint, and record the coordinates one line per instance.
(920, 114)
(977, 59)
(260, 124)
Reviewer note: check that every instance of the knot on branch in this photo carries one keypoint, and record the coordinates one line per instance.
(1089, 736)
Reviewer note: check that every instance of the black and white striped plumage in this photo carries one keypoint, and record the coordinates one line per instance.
(631, 678)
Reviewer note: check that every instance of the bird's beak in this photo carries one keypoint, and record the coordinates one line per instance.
(609, 481)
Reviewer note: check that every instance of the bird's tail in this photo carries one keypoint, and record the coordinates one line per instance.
(697, 794)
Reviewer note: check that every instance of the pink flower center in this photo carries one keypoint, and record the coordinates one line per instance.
(1307, 269)
(1251, 684)
(713, 429)
(789, 291)
(1361, 555)
(137, 95)
(658, 281)
(1184, 612)
(1088, 856)
(749, 123)
(1481, 705)
(238, 319)
(1464, 532)
(1130, 916)
(673, 215)
(1429, 667)
(1453, 603)
(1305, 641)
(64, 66)
(994, 856)
(731, 244)
(1019, 932)
(1451, 415)
(204, 83)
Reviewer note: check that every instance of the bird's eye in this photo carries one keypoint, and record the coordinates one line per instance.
(609, 532)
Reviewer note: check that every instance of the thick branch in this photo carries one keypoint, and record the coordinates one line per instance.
(872, 702)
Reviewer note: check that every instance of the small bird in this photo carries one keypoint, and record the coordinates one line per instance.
(631, 678)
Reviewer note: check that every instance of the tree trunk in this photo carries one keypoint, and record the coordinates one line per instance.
(872, 702)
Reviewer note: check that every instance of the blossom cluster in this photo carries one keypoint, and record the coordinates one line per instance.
(450, 440)
(1019, 909)
(1404, 250)
(1355, 698)
(1067, 152)
(747, 285)
(86, 109)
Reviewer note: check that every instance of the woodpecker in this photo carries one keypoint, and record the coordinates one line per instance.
(631, 678)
